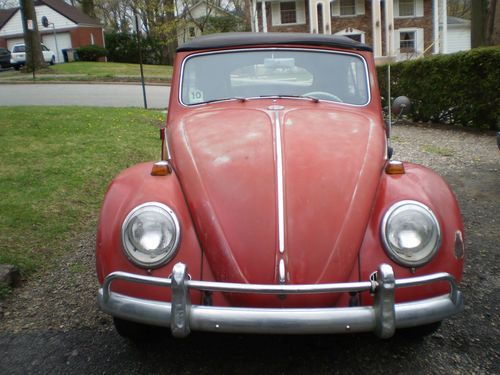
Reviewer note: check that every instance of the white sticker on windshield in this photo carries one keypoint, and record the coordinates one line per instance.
(195, 96)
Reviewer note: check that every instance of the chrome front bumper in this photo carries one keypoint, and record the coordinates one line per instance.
(383, 318)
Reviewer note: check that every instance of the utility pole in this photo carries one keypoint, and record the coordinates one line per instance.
(138, 33)
(34, 57)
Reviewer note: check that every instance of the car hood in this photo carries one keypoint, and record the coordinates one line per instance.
(228, 164)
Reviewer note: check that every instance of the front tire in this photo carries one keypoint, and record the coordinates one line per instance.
(52, 60)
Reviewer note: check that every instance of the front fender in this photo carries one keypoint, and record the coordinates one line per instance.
(129, 189)
(423, 185)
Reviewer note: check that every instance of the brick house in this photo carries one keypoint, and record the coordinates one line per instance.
(73, 28)
(396, 29)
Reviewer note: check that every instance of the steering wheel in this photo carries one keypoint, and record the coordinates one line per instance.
(325, 95)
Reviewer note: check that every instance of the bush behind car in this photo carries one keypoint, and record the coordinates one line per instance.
(461, 88)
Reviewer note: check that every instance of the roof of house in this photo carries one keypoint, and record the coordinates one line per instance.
(68, 11)
(71, 12)
(6, 14)
(251, 39)
(207, 4)
(455, 21)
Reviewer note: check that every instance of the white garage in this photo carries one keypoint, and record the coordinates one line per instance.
(72, 27)
(63, 42)
(13, 42)
(458, 34)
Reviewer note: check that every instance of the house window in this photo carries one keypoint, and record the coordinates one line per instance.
(288, 12)
(407, 41)
(192, 32)
(92, 41)
(347, 7)
(406, 8)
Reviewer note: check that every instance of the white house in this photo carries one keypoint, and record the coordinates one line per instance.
(194, 18)
(396, 29)
(72, 27)
(458, 34)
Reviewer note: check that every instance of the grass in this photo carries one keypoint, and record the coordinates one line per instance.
(56, 165)
(96, 71)
(436, 150)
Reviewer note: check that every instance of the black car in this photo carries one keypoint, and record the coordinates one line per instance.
(4, 58)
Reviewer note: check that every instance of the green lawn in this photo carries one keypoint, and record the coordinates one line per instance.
(56, 165)
(95, 71)
(103, 69)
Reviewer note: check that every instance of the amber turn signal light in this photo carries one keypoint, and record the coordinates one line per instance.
(161, 168)
(395, 167)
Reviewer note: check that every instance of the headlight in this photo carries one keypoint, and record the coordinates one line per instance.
(410, 233)
(150, 234)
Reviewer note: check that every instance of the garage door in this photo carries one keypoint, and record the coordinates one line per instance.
(63, 42)
(12, 42)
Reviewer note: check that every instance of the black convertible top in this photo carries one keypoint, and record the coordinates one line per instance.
(223, 40)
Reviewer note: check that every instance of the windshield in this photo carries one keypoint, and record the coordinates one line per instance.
(332, 76)
(19, 48)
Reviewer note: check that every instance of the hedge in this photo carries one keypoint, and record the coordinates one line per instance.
(91, 52)
(461, 88)
(123, 47)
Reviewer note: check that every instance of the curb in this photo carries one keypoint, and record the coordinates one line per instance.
(43, 82)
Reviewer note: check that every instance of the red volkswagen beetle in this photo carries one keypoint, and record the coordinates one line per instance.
(276, 207)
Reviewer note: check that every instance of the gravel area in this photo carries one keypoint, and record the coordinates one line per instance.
(51, 324)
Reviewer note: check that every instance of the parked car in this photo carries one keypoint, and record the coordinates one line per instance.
(275, 207)
(4, 58)
(18, 58)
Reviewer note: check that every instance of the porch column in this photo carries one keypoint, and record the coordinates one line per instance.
(327, 18)
(389, 27)
(313, 16)
(264, 15)
(255, 20)
(377, 29)
(435, 18)
(445, 27)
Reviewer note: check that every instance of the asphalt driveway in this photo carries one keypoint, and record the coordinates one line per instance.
(100, 95)
(51, 324)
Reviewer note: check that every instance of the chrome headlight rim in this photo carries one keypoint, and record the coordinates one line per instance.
(387, 246)
(128, 246)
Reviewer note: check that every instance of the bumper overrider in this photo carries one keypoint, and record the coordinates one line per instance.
(383, 318)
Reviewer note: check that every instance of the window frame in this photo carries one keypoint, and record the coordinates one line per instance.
(353, 14)
(288, 12)
(414, 10)
(362, 58)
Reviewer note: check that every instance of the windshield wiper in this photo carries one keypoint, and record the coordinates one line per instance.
(315, 100)
(238, 98)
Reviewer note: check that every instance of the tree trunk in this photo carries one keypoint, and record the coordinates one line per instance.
(490, 24)
(478, 18)
(248, 15)
(171, 31)
(31, 37)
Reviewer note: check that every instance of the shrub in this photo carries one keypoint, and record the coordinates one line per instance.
(91, 53)
(123, 47)
(461, 88)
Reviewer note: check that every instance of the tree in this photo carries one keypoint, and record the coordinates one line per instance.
(490, 24)
(482, 22)
(459, 8)
(34, 57)
(88, 7)
(6, 4)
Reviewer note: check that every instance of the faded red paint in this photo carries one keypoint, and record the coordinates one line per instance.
(223, 190)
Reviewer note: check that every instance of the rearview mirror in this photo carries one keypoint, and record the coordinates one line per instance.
(400, 105)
